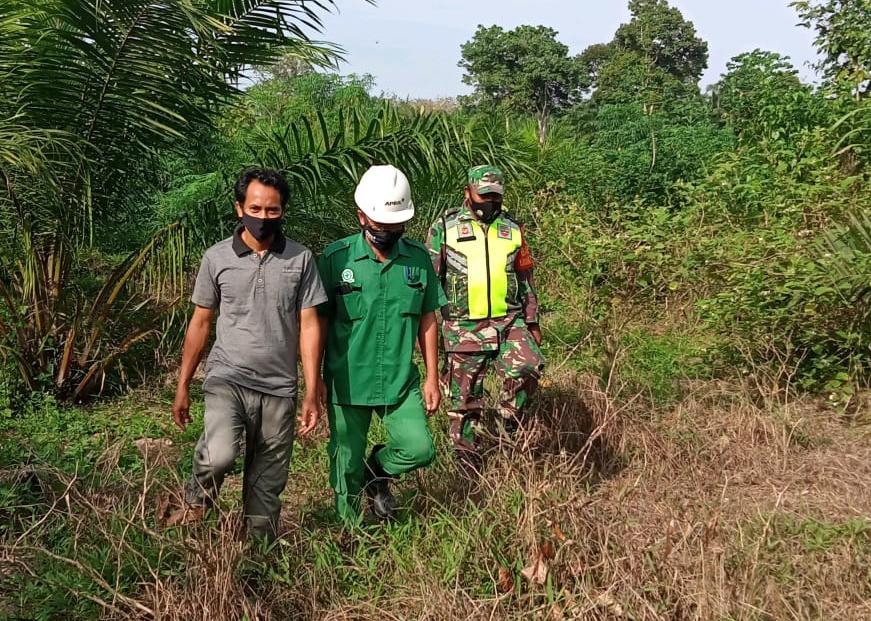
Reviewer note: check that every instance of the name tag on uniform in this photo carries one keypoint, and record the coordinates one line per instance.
(346, 288)
(465, 232)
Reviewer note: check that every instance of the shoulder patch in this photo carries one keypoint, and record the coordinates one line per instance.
(451, 214)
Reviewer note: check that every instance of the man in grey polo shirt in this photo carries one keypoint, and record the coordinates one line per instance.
(264, 289)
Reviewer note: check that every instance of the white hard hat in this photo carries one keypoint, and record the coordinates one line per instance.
(384, 195)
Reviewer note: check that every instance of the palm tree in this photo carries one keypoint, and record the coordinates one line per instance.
(90, 89)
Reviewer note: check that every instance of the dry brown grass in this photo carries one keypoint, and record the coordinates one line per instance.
(721, 507)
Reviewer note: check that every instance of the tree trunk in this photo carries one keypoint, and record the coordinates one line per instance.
(542, 129)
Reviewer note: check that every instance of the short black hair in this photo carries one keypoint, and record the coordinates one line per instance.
(266, 176)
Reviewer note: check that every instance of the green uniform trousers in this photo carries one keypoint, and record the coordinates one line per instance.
(409, 446)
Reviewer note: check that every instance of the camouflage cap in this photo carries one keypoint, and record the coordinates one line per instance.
(487, 179)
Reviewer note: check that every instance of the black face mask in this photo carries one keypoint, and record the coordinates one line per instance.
(383, 240)
(487, 211)
(261, 228)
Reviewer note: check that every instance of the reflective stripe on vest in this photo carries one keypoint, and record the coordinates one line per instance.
(486, 274)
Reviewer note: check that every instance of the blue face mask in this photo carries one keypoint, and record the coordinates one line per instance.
(261, 228)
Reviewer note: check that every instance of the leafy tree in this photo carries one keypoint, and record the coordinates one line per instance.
(631, 78)
(762, 97)
(592, 61)
(654, 59)
(843, 40)
(659, 33)
(524, 70)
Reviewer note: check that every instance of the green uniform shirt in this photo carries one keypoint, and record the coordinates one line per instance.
(374, 310)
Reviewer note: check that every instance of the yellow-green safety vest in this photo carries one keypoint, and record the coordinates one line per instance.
(489, 262)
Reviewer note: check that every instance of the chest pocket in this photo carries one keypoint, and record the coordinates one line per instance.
(412, 290)
(287, 288)
(349, 303)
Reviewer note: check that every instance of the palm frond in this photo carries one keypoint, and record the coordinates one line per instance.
(845, 251)
(256, 33)
(853, 129)
(126, 77)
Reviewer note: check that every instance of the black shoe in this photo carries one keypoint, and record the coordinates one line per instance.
(377, 487)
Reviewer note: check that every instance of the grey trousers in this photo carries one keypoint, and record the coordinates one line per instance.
(266, 423)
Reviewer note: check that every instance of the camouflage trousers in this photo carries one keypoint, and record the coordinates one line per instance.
(516, 359)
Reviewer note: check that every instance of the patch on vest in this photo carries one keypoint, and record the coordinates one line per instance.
(347, 276)
(465, 232)
(504, 231)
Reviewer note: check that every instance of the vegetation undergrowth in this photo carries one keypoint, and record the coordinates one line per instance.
(726, 503)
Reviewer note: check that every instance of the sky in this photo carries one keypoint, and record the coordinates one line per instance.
(412, 47)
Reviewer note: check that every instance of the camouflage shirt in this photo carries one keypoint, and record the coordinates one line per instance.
(451, 266)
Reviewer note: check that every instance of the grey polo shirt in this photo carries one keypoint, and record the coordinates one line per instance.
(258, 302)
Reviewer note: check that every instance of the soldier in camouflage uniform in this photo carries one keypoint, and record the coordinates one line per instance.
(484, 264)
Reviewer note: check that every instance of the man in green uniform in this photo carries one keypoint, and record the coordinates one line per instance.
(485, 267)
(382, 297)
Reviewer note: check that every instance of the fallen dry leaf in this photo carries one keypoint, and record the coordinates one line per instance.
(537, 571)
(505, 583)
(184, 515)
(163, 509)
(547, 550)
(613, 606)
(558, 533)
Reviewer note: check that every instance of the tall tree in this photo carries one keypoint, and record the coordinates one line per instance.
(655, 58)
(660, 33)
(592, 61)
(523, 70)
(631, 78)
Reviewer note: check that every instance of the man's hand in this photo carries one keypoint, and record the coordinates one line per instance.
(181, 408)
(535, 331)
(322, 395)
(311, 412)
(432, 395)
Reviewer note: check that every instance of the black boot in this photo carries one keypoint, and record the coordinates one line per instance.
(377, 487)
